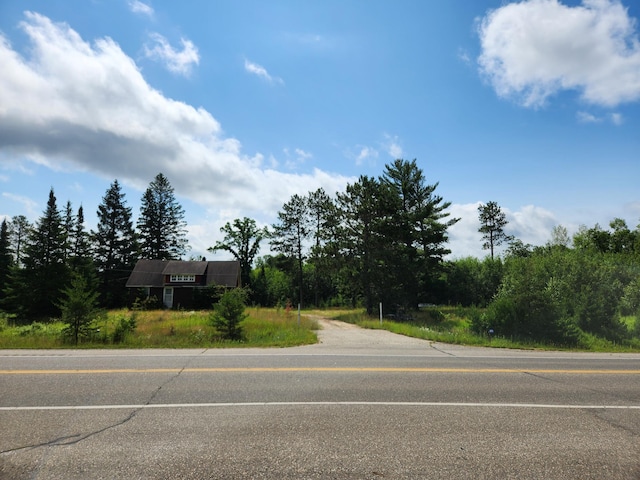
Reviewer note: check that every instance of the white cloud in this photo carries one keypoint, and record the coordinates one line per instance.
(391, 145)
(87, 107)
(532, 225)
(176, 61)
(296, 158)
(586, 117)
(617, 118)
(261, 72)
(136, 6)
(29, 205)
(366, 153)
(534, 49)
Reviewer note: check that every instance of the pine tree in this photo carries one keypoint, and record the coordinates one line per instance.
(19, 229)
(45, 272)
(79, 308)
(290, 234)
(6, 259)
(161, 225)
(492, 223)
(115, 246)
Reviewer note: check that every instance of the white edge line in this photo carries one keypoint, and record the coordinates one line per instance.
(297, 404)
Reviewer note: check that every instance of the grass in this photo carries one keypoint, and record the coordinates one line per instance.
(452, 325)
(268, 327)
(168, 329)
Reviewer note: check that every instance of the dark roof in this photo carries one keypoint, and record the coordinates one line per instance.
(176, 267)
(226, 274)
(150, 273)
(147, 273)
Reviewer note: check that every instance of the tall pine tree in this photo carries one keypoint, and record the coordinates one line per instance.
(45, 271)
(115, 246)
(161, 225)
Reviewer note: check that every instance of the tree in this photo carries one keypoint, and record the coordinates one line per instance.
(161, 224)
(362, 210)
(418, 233)
(19, 229)
(242, 239)
(115, 246)
(492, 221)
(46, 271)
(228, 313)
(324, 221)
(79, 307)
(6, 259)
(289, 235)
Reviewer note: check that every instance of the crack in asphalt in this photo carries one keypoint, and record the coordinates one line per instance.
(78, 437)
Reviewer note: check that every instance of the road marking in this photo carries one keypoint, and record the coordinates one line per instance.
(321, 369)
(312, 404)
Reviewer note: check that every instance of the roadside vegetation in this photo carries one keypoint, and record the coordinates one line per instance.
(263, 327)
(454, 325)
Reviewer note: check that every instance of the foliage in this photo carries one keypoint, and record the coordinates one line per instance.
(161, 224)
(124, 327)
(37, 286)
(115, 246)
(492, 223)
(242, 239)
(228, 313)
(79, 309)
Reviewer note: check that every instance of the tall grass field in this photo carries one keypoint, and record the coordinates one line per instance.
(166, 329)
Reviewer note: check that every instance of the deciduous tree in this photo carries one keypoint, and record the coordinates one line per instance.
(242, 239)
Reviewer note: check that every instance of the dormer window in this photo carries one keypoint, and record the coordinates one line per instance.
(183, 278)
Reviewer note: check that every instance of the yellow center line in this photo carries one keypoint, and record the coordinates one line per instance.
(319, 369)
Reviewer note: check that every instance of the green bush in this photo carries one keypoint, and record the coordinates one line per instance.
(228, 313)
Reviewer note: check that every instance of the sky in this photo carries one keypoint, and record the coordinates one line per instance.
(534, 105)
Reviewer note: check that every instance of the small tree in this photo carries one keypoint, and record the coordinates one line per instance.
(79, 308)
(228, 313)
(492, 223)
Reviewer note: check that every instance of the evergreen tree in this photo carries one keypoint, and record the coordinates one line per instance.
(290, 234)
(161, 225)
(19, 229)
(492, 223)
(242, 240)
(416, 233)
(363, 210)
(6, 259)
(324, 221)
(115, 246)
(45, 271)
(79, 306)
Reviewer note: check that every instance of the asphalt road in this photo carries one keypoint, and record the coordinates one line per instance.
(360, 405)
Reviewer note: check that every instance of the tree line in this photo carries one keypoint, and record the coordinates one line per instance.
(381, 239)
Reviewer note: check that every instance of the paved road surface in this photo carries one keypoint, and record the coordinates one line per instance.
(358, 405)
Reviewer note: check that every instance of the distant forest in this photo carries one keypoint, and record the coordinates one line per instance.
(381, 240)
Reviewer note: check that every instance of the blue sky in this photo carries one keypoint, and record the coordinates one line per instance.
(241, 104)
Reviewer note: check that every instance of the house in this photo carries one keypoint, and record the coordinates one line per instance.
(176, 283)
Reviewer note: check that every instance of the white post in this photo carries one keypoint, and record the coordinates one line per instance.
(380, 313)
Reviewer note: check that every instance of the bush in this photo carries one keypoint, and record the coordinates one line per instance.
(123, 328)
(228, 313)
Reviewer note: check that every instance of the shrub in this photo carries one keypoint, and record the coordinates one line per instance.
(228, 313)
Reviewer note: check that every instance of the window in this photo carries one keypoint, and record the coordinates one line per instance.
(183, 278)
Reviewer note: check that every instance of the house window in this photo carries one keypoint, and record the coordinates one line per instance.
(183, 278)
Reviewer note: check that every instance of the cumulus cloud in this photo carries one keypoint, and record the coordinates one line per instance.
(534, 49)
(532, 225)
(87, 107)
(176, 61)
(260, 71)
(136, 6)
